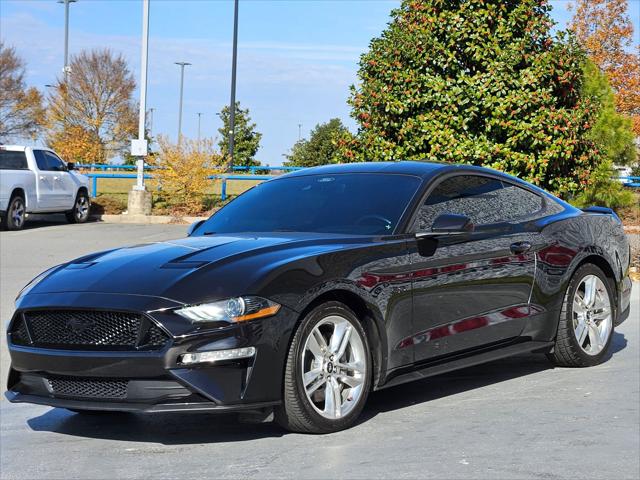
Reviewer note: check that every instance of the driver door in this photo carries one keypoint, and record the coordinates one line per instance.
(473, 290)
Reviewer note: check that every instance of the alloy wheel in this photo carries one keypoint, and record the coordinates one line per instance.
(592, 315)
(82, 207)
(17, 212)
(334, 367)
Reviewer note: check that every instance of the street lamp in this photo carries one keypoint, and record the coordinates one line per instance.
(232, 104)
(182, 65)
(199, 117)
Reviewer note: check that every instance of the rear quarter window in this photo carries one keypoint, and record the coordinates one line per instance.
(11, 160)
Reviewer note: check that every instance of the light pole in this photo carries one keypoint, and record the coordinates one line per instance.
(199, 118)
(232, 103)
(182, 65)
(139, 201)
(299, 131)
(66, 3)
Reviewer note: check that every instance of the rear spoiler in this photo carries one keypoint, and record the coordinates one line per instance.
(601, 210)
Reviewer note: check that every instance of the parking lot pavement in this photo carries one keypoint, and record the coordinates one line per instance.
(515, 418)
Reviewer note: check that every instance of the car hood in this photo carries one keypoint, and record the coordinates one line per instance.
(187, 270)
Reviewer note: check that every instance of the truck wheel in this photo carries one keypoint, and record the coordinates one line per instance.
(81, 208)
(16, 214)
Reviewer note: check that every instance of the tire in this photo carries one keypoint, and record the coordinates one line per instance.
(81, 208)
(304, 413)
(584, 335)
(16, 213)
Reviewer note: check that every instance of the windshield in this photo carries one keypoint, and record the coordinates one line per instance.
(358, 204)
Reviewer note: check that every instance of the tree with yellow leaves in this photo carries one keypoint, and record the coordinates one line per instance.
(21, 110)
(92, 115)
(604, 29)
(183, 171)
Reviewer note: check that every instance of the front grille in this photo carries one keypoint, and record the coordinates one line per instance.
(95, 389)
(87, 330)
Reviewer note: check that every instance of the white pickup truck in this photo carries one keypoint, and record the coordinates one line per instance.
(36, 180)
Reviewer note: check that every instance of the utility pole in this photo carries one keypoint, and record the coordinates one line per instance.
(182, 65)
(232, 104)
(199, 117)
(299, 131)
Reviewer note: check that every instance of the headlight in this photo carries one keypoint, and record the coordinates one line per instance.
(238, 309)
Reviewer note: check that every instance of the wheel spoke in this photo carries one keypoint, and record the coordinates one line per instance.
(578, 305)
(594, 338)
(602, 314)
(590, 284)
(332, 399)
(311, 376)
(340, 339)
(316, 343)
(581, 332)
(315, 384)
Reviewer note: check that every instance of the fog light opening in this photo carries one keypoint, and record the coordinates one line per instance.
(216, 356)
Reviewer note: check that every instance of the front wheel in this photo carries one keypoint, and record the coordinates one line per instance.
(328, 372)
(81, 207)
(585, 326)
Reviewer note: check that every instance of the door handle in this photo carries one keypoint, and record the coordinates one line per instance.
(520, 247)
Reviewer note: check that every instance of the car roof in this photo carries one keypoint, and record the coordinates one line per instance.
(419, 169)
(13, 148)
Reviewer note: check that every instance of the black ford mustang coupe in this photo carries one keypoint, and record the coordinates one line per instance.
(311, 290)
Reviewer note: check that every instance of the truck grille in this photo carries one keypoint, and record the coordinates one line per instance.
(87, 330)
(94, 389)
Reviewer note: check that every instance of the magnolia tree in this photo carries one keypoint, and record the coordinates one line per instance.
(481, 82)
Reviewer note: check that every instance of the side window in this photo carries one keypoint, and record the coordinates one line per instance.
(41, 159)
(484, 200)
(54, 163)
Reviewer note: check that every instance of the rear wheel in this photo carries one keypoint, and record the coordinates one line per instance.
(585, 327)
(328, 372)
(16, 214)
(81, 207)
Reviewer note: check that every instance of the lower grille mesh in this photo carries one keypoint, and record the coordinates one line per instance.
(95, 389)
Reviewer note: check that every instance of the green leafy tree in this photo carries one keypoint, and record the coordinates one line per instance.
(481, 82)
(322, 146)
(612, 132)
(246, 139)
(614, 139)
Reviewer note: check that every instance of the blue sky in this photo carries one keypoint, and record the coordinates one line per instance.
(297, 58)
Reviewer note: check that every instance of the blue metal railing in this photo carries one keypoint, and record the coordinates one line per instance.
(630, 181)
(252, 170)
(223, 188)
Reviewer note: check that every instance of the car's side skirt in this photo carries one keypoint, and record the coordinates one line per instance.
(462, 361)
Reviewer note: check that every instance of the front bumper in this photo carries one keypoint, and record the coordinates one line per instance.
(153, 381)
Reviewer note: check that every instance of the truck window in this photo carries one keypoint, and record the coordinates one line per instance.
(54, 163)
(41, 159)
(11, 160)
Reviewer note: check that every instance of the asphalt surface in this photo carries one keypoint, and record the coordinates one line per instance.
(515, 418)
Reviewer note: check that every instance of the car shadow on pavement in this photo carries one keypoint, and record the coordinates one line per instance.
(199, 428)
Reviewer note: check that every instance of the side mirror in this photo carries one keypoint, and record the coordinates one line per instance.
(451, 224)
(193, 227)
(71, 166)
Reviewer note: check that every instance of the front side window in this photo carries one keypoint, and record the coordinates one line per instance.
(41, 159)
(484, 200)
(54, 163)
(358, 204)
